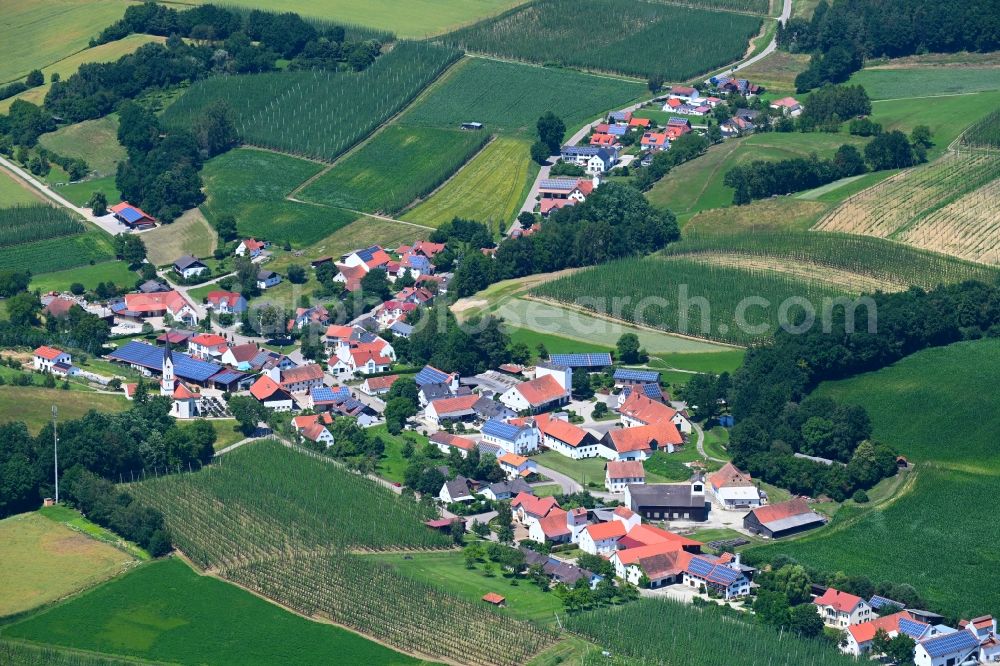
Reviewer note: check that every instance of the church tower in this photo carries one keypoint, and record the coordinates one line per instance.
(167, 381)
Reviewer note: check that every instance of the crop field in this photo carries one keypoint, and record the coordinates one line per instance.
(985, 133)
(691, 298)
(704, 636)
(282, 523)
(314, 113)
(396, 167)
(25, 224)
(777, 71)
(509, 97)
(164, 611)
(928, 406)
(917, 207)
(697, 185)
(14, 193)
(490, 188)
(882, 261)
(189, 234)
(33, 405)
(45, 560)
(636, 38)
(53, 254)
(94, 141)
(116, 272)
(405, 18)
(252, 185)
(30, 654)
(54, 29)
(894, 83)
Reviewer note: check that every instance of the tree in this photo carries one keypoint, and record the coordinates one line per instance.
(771, 608)
(551, 131)
(900, 650)
(805, 620)
(215, 130)
(130, 248)
(35, 78)
(526, 219)
(375, 284)
(849, 161)
(296, 274)
(654, 83)
(225, 226)
(98, 204)
(921, 136)
(248, 412)
(628, 348)
(891, 150)
(13, 282)
(138, 127)
(23, 309)
(397, 411)
(540, 152)
(581, 385)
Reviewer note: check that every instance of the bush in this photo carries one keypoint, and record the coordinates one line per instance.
(860, 497)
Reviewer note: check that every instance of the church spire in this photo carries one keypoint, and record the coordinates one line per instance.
(167, 381)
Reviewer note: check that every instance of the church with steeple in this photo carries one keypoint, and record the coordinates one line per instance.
(167, 380)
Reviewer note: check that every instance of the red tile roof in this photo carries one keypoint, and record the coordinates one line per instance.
(253, 245)
(245, 352)
(264, 388)
(842, 602)
(362, 355)
(463, 443)
(59, 306)
(782, 510)
(603, 531)
(638, 122)
(866, 631)
(49, 353)
(729, 476)
(166, 300)
(542, 390)
(512, 459)
(641, 438)
(303, 373)
(456, 404)
(428, 249)
(231, 298)
(305, 419)
(786, 102)
(653, 139)
(554, 525)
(649, 535)
(381, 383)
(626, 469)
(564, 431)
(634, 555)
(536, 506)
(493, 598)
(637, 406)
(183, 393)
(313, 431)
(208, 340)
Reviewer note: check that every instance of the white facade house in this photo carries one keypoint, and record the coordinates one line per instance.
(267, 279)
(45, 358)
(189, 267)
(511, 438)
(957, 648)
(565, 438)
(550, 388)
(841, 610)
(601, 539)
(620, 474)
(515, 466)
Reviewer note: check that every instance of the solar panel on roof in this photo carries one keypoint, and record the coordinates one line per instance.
(130, 214)
(429, 375)
(228, 376)
(878, 602)
(582, 360)
(723, 575)
(646, 376)
(912, 628)
(700, 566)
(500, 429)
(558, 183)
(960, 641)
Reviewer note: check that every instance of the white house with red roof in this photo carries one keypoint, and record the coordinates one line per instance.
(602, 538)
(208, 346)
(858, 637)
(391, 311)
(271, 395)
(787, 105)
(456, 408)
(143, 306)
(654, 142)
(226, 302)
(529, 509)
(367, 259)
(734, 488)
(639, 443)
(842, 609)
(559, 435)
(446, 442)
(618, 474)
(639, 410)
(553, 528)
(302, 378)
(515, 466)
(378, 385)
(45, 358)
(250, 247)
(549, 389)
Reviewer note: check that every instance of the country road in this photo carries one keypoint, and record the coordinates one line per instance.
(700, 443)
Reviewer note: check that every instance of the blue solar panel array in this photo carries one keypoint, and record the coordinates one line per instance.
(878, 602)
(645, 376)
(558, 183)
(228, 376)
(962, 642)
(367, 253)
(501, 430)
(912, 628)
(723, 575)
(429, 375)
(617, 130)
(651, 391)
(149, 356)
(700, 566)
(600, 360)
(327, 394)
(130, 214)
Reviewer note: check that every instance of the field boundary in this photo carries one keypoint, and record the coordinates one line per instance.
(420, 199)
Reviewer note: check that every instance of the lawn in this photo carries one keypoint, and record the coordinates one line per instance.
(717, 362)
(553, 319)
(547, 490)
(33, 405)
(94, 141)
(80, 192)
(946, 116)
(116, 272)
(406, 18)
(777, 71)
(252, 185)
(490, 188)
(36, 33)
(13, 191)
(44, 560)
(509, 97)
(447, 571)
(164, 611)
(888, 82)
(932, 408)
(636, 39)
(226, 431)
(554, 344)
(188, 234)
(393, 169)
(585, 471)
(393, 465)
(715, 442)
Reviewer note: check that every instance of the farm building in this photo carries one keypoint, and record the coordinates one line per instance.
(132, 217)
(669, 501)
(549, 389)
(734, 489)
(566, 438)
(271, 395)
(148, 359)
(619, 474)
(778, 520)
(590, 362)
(624, 377)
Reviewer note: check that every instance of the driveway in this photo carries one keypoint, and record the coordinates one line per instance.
(700, 443)
(567, 484)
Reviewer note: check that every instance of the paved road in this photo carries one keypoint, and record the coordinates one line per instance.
(786, 12)
(700, 443)
(567, 484)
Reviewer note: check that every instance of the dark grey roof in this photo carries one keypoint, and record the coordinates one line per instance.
(665, 494)
(489, 409)
(533, 557)
(435, 391)
(186, 262)
(511, 487)
(264, 274)
(153, 287)
(566, 573)
(458, 487)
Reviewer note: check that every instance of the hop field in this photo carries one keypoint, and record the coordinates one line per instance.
(669, 282)
(509, 97)
(24, 224)
(56, 254)
(318, 114)
(634, 38)
(283, 524)
(397, 166)
(985, 133)
(910, 207)
(705, 636)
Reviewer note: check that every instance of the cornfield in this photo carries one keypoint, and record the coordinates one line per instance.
(863, 255)
(691, 298)
(630, 37)
(668, 633)
(909, 206)
(24, 224)
(318, 114)
(288, 526)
